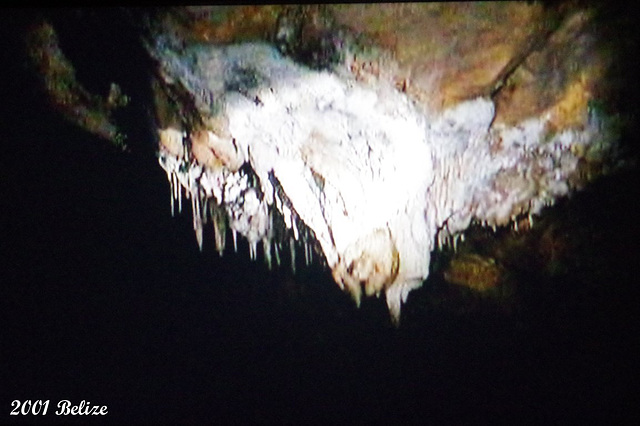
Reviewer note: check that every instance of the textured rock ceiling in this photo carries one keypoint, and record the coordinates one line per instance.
(369, 134)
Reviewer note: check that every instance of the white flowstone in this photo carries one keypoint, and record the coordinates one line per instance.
(377, 180)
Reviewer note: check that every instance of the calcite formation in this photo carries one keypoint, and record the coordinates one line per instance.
(346, 164)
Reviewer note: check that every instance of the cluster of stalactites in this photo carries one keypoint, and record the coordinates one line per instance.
(499, 175)
(234, 203)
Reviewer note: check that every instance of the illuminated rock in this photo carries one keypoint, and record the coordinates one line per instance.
(375, 179)
(326, 129)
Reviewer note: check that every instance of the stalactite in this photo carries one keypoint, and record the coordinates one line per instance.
(252, 249)
(172, 187)
(266, 248)
(220, 228)
(234, 233)
(197, 218)
(292, 248)
(276, 251)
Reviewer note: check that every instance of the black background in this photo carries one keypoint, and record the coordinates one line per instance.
(105, 297)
